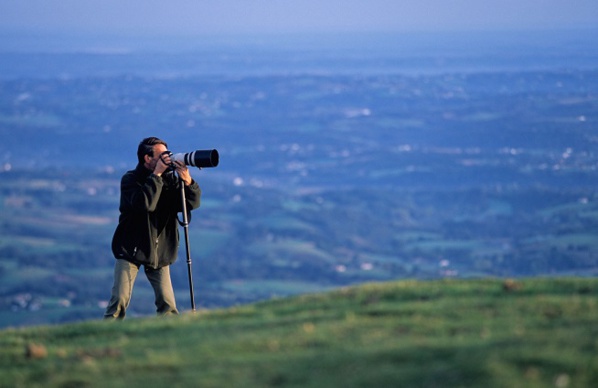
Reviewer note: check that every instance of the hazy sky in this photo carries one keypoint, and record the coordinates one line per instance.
(233, 16)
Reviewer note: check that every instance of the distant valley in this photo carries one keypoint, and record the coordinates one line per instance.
(326, 178)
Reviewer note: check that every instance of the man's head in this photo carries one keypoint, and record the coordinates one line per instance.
(149, 151)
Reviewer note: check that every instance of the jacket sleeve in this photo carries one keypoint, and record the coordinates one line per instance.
(141, 196)
(193, 195)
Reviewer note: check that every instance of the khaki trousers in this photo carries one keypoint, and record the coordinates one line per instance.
(125, 274)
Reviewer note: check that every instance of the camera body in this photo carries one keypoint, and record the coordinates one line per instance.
(198, 158)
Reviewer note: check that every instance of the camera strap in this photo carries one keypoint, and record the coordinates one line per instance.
(182, 222)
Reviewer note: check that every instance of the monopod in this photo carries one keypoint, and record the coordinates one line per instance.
(185, 224)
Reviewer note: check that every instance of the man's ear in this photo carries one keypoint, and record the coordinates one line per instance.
(147, 158)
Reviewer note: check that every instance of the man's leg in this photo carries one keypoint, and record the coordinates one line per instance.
(160, 281)
(125, 274)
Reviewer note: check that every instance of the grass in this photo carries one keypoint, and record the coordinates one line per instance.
(450, 333)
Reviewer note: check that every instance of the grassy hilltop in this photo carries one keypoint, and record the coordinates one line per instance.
(490, 333)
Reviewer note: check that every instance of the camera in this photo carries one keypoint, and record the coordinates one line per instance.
(198, 158)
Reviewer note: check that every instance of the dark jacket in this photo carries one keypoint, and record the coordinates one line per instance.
(147, 231)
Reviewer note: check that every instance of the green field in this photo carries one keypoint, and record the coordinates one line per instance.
(449, 333)
(56, 240)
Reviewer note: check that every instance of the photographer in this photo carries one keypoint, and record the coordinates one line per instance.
(147, 232)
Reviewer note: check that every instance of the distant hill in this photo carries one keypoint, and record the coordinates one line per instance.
(484, 333)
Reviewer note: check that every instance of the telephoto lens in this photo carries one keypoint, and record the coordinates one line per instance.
(198, 158)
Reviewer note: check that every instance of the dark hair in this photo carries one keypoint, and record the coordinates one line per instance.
(146, 147)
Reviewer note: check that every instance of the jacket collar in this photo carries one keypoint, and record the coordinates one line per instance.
(141, 170)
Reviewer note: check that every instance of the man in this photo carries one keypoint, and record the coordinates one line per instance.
(147, 233)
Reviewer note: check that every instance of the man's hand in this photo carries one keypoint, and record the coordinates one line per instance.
(183, 171)
(162, 164)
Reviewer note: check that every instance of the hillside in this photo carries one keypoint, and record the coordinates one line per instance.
(491, 333)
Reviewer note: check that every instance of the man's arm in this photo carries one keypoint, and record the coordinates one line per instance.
(141, 196)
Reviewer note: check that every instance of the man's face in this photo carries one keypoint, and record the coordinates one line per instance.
(151, 161)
